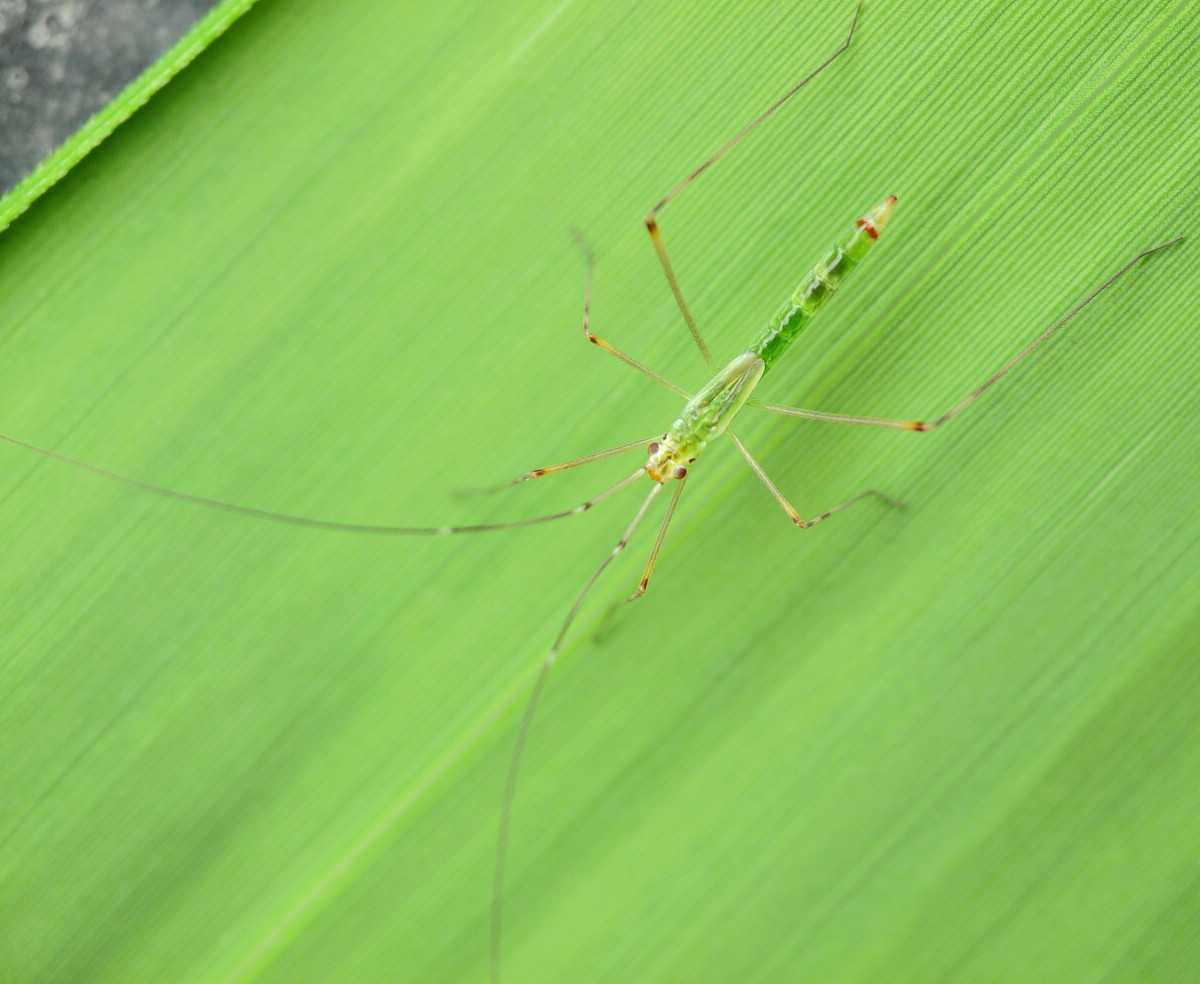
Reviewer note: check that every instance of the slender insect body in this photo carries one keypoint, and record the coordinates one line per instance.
(710, 412)
(820, 283)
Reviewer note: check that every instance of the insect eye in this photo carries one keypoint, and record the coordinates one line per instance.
(653, 449)
(680, 472)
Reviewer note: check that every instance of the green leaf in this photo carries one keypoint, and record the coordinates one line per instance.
(203, 33)
(327, 271)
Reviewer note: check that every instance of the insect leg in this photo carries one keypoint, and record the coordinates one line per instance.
(662, 535)
(514, 764)
(849, 502)
(606, 346)
(564, 465)
(787, 506)
(765, 479)
(652, 217)
(924, 425)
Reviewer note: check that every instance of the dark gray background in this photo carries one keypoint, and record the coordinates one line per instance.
(62, 60)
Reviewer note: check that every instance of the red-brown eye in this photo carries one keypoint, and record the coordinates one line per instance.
(653, 449)
(681, 472)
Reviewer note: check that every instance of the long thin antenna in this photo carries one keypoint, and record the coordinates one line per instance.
(324, 524)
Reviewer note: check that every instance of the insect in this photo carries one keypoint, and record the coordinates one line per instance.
(671, 454)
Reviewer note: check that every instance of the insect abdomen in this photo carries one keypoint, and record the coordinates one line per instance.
(820, 283)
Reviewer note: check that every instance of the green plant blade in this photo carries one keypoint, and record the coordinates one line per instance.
(135, 95)
(327, 271)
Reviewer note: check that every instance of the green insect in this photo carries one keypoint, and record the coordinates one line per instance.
(706, 416)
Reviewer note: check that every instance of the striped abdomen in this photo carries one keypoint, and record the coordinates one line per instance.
(820, 283)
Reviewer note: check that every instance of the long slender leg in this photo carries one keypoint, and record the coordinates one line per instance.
(650, 563)
(662, 535)
(600, 342)
(652, 217)
(564, 465)
(765, 479)
(514, 764)
(322, 524)
(787, 506)
(923, 425)
(849, 502)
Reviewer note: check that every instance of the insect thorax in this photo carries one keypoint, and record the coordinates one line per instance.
(705, 417)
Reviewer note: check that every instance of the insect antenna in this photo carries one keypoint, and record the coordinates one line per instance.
(339, 527)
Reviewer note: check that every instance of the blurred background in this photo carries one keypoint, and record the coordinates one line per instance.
(62, 60)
